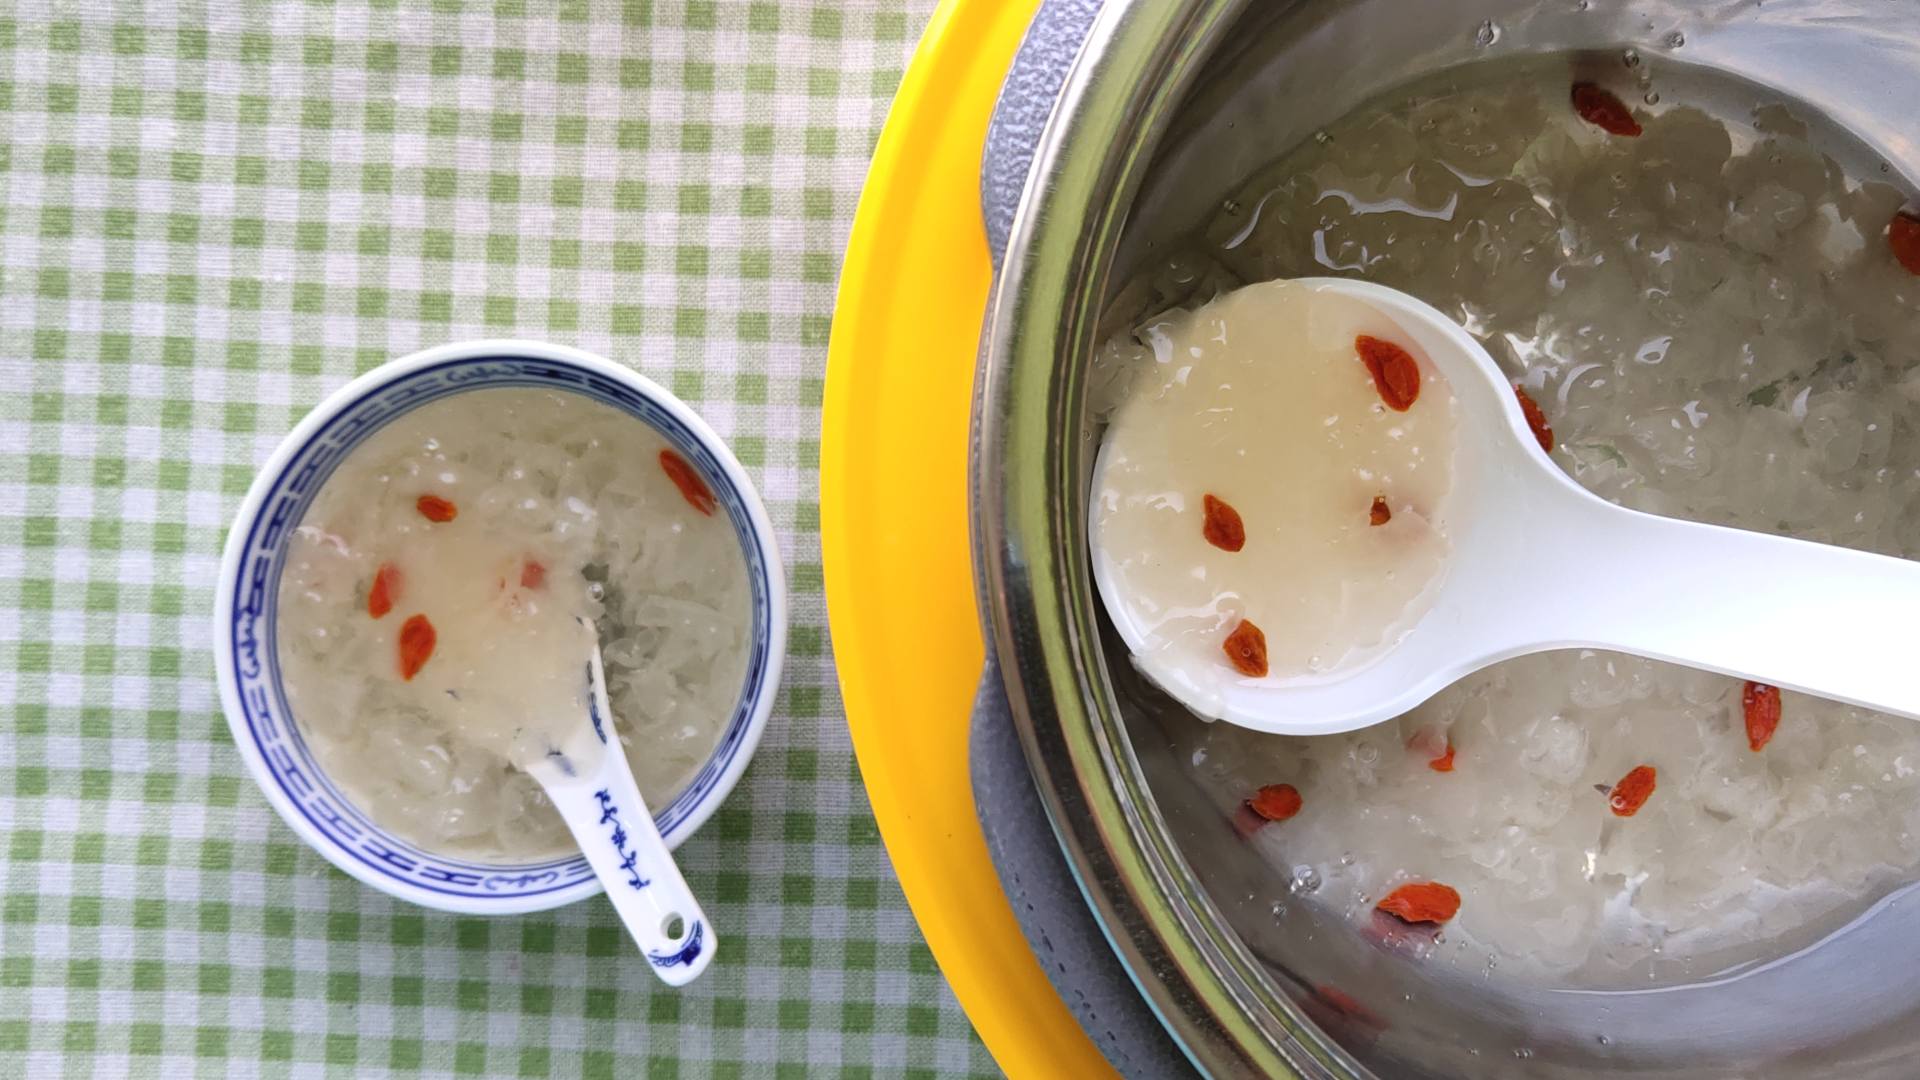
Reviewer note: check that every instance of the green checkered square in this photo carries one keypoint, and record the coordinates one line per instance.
(211, 215)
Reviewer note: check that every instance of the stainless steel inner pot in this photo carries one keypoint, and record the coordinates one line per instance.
(1172, 104)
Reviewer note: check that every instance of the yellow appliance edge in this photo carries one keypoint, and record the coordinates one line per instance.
(895, 547)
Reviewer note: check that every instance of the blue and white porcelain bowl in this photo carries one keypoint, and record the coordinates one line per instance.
(245, 620)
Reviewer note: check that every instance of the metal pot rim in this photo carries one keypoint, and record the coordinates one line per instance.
(1029, 549)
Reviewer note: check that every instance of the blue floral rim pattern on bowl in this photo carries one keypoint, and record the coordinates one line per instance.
(259, 712)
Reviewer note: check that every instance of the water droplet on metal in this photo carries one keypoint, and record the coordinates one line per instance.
(1522, 1052)
(1230, 206)
(1305, 880)
(1322, 137)
(1487, 33)
(1652, 97)
(1603, 1040)
(1674, 40)
(1279, 909)
(1631, 58)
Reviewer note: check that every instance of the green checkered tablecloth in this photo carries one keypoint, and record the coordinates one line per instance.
(212, 214)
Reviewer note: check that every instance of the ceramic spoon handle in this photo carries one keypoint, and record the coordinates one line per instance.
(615, 830)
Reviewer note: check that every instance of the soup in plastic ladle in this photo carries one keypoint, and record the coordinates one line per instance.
(1539, 563)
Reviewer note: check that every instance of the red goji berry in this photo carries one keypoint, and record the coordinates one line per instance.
(1903, 235)
(1276, 802)
(692, 488)
(1603, 110)
(1222, 525)
(1422, 902)
(1379, 513)
(1437, 747)
(416, 645)
(436, 509)
(1631, 793)
(1246, 649)
(384, 591)
(1536, 419)
(1395, 374)
(1761, 703)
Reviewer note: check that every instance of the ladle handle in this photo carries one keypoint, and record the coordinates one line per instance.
(1828, 621)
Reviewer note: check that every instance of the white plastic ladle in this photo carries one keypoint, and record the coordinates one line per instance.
(1539, 563)
(590, 783)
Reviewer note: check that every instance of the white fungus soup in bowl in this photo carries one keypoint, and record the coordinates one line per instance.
(403, 593)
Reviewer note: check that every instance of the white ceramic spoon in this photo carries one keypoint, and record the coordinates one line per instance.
(1540, 563)
(590, 783)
